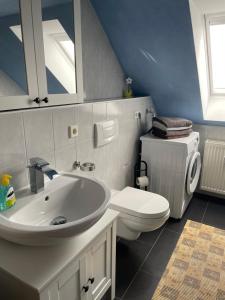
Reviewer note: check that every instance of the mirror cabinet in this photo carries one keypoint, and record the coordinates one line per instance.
(40, 53)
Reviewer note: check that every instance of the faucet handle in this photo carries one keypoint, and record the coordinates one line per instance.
(38, 162)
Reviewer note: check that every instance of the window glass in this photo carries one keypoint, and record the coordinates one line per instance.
(59, 46)
(217, 45)
(13, 79)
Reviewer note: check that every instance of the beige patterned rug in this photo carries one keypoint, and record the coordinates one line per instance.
(196, 270)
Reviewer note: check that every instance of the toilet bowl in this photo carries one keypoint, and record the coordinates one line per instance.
(140, 211)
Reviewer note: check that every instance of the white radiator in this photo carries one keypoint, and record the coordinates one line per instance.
(213, 171)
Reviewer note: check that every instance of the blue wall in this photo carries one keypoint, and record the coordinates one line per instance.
(153, 41)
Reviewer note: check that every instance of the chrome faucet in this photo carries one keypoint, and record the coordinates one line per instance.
(37, 169)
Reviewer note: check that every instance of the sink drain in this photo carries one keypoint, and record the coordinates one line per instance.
(59, 220)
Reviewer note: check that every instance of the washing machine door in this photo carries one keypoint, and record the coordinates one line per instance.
(193, 173)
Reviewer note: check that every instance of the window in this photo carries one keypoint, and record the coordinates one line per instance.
(66, 44)
(215, 28)
(208, 23)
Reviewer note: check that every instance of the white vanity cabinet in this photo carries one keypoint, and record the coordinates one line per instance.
(82, 269)
(90, 276)
(67, 285)
(100, 265)
(41, 53)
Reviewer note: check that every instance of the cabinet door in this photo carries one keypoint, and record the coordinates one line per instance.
(18, 78)
(57, 35)
(100, 266)
(69, 285)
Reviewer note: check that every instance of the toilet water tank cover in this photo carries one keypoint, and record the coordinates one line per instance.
(140, 203)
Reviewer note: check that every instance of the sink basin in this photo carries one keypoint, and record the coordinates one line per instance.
(69, 205)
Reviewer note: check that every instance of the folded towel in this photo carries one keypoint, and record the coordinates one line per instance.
(171, 134)
(173, 122)
(159, 125)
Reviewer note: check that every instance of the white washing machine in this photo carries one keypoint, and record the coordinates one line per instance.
(173, 168)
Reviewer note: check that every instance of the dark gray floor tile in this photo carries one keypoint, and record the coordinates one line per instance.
(142, 288)
(195, 212)
(150, 237)
(215, 213)
(107, 296)
(161, 252)
(130, 255)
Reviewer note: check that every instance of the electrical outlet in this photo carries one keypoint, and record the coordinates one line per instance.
(137, 115)
(73, 131)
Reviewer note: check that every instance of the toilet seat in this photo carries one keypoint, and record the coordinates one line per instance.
(140, 204)
(143, 221)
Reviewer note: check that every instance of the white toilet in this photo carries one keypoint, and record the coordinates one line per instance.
(140, 211)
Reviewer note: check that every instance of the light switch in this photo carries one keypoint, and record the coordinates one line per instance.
(73, 131)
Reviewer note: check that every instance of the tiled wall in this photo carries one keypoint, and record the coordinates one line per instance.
(209, 132)
(44, 133)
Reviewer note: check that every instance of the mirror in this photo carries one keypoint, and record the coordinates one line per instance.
(59, 46)
(13, 80)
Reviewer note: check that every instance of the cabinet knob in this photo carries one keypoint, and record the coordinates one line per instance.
(45, 100)
(37, 100)
(85, 288)
(91, 280)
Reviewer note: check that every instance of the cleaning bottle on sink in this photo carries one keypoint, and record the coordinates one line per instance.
(7, 195)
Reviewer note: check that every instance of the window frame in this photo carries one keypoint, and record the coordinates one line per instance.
(213, 106)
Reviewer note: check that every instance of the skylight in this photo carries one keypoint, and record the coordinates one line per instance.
(68, 47)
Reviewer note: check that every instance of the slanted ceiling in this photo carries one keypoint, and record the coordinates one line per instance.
(153, 41)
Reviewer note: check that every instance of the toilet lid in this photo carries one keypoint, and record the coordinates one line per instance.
(140, 203)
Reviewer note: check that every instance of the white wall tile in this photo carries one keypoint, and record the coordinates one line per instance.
(99, 112)
(85, 121)
(215, 132)
(113, 165)
(38, 132)
(85, 151)
(100, 160)
(65, 158)
(12, 149)
(209, 132)
(115, 110)
(62, 119)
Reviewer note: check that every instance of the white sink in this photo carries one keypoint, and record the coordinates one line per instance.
(78, 201)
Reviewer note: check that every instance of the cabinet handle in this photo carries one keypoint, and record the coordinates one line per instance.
(85, 288)
(45, 100)
(37, 100)
(91, 280)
